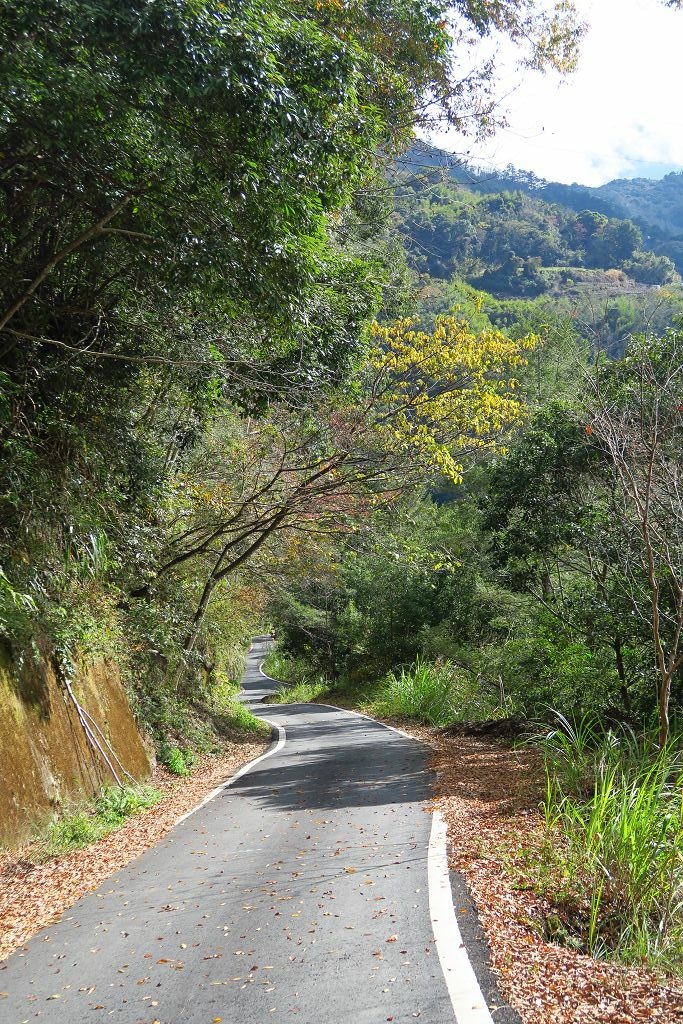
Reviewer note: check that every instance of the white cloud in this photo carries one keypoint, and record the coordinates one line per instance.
(620, 110)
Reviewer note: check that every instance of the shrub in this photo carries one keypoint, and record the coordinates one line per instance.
(422, 693)
(303, 692)
(178, 761)
(112, 807)
(543, 668)
(71, 832)
(239, 717)
(116, 803)
(287, 668)
(434, 694)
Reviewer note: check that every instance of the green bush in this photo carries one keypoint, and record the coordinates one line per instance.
(303, 692)
(434, 694)
(544, 669)
(288, 669)
(301, 682)
(615, 832)
(116, 803)
(80, 828)
(178, 761)
(239, 717)
(71, 832)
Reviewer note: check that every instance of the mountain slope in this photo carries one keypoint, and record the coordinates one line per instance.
(656, 207)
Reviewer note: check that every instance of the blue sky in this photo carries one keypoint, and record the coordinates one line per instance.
(620, 115)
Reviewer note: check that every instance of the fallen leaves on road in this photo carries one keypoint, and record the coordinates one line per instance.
(490, 797)
(33, 895)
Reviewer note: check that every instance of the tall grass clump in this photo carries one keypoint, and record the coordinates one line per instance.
(434, 694)
(613, 813)
(239, 717)
(287, 668)
(301, 684)
(302, 693)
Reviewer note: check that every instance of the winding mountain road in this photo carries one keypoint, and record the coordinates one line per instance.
(313, 887)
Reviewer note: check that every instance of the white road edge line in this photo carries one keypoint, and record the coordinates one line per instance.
(467, 999)
(369, 718)
(273, 749)
(359, 714)
(469, 1004)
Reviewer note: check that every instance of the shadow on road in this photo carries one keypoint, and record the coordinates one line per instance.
(356, 763)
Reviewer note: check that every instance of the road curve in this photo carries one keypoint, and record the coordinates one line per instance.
(305, 890)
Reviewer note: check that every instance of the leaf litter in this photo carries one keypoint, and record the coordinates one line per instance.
(490, 797)
(34, 894)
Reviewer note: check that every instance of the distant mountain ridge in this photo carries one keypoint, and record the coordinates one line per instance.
(654, 202)
(655, 206)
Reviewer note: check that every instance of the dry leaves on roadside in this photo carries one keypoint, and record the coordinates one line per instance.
(490, 796)
(33, 895)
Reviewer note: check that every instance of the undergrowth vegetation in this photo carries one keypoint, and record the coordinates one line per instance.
(82, 827)
(300, 683)
(303, 692)
(284, 667)
(435, 694)
(613, 857)
(185, 724)
(179, 761)
(237, 716)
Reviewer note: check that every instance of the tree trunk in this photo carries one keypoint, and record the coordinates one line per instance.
(623, 685)
(664, 694)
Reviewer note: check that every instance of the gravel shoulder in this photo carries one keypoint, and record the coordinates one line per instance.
(33, 894)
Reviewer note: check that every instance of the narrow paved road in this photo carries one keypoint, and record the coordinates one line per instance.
(300, 892)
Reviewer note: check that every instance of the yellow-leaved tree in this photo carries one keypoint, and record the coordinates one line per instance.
(445, 392)
(421, 402)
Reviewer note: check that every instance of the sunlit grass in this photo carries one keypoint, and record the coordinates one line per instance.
(300, 684)
(303, 692)
(284, 668)
(432, 694)
(429, 693)
(239, 717)
(80, 828)
(615, 834)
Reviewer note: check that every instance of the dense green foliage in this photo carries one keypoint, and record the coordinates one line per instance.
(532, 575)
(195, 239)
(501, 241)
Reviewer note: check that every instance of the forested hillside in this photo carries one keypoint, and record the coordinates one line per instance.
(655, 206)
(514, 237)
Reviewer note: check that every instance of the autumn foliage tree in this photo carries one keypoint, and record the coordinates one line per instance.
(422, 402)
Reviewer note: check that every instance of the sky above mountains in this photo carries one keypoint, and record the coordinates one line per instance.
(618, 116)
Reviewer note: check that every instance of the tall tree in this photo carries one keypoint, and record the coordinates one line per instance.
(636, 419)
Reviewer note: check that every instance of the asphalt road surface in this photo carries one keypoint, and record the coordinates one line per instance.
(313, 889)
